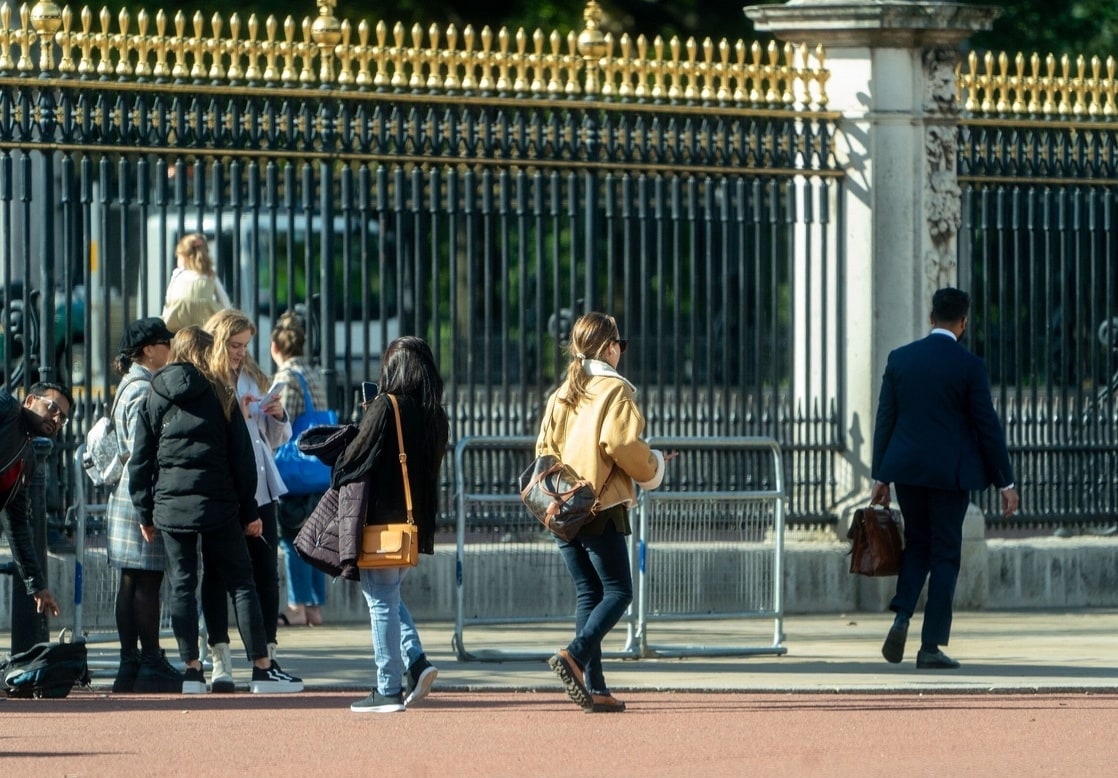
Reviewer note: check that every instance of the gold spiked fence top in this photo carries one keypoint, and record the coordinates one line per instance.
(1032, 86)
(326, 51)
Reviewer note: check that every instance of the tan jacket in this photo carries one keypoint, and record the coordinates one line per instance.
(601, 440)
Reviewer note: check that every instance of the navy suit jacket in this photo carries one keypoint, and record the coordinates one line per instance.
(936, 425)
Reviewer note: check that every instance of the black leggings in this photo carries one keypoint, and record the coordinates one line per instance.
(137, 609)
(263, 551)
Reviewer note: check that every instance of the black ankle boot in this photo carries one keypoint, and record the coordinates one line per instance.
(127, 671)
(157, 676)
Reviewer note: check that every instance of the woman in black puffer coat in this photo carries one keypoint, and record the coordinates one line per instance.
(193, 474)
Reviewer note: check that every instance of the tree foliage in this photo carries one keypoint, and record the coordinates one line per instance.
(1073, 27)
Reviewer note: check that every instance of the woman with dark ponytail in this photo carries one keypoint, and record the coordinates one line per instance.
(143, 667)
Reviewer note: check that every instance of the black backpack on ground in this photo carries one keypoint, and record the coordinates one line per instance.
(46, 670)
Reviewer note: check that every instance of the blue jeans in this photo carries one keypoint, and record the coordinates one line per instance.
(394, 632)
(599, 567)
(306, 585)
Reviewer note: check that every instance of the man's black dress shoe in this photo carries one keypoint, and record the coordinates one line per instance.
(893, 648)
(935, 660)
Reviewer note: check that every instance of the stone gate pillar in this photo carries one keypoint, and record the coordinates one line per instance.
(892, 66)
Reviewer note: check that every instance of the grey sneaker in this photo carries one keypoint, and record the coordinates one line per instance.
(421, 677)
(380, 703)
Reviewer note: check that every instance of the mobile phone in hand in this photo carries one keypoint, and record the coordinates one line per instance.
(273, 394)
(368, 391)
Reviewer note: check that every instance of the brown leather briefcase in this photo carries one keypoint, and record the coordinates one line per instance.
(877, 544)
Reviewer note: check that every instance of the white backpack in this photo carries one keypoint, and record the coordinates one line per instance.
(102, 460)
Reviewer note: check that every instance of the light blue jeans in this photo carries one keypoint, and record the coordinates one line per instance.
(394, 633)
(306, 585)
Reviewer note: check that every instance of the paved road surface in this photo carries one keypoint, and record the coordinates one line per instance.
(1037, 696)
(542, 734)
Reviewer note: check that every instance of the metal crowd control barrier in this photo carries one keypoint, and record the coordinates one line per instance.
(711, 554)
(698, 553)
(508, 570)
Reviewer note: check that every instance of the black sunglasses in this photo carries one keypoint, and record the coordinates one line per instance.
(622, 343)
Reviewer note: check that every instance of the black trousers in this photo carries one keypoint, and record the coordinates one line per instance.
(933, 534)
(225, 549)
(264, 555)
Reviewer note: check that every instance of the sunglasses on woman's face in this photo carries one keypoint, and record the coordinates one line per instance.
(622, 343)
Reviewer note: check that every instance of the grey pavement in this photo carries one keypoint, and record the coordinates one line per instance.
(1002, 651)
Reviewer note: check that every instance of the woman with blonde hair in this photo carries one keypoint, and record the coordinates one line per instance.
(268, 428)
(192, 477)
(592, 423)
(195, 293)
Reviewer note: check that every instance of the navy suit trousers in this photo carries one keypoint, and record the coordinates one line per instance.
(933, 531)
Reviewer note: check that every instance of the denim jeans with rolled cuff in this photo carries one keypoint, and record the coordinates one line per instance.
(599, 567)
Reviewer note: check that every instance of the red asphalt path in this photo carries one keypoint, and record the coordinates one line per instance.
(544, 734)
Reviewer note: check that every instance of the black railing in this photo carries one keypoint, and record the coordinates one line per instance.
(1037, 250)
(484, 220)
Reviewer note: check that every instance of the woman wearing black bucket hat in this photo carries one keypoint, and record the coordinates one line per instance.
(143, 667)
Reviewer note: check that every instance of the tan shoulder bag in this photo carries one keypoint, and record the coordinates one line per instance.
(392, 545)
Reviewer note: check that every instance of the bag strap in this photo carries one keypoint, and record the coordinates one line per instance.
(612, 467)
(120, 391)
(128, 380)
(403, 456)
(308, 401)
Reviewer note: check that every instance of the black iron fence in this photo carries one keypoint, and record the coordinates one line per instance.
(482, 197)
(1039, 170)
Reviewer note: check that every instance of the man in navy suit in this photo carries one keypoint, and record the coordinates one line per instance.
(936, 437)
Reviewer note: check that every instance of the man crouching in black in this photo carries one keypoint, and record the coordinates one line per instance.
(44, 412)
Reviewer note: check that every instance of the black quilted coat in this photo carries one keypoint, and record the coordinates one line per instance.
(320, 542)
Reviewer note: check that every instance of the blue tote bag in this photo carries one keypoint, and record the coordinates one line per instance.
(301, 473)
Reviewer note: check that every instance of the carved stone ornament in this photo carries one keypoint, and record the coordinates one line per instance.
(942, 201)
(939, 82)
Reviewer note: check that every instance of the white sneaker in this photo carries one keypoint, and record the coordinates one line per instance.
(221, 680)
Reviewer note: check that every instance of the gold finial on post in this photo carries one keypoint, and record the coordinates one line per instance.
(46, 18)
(592, 45)
(326, 32)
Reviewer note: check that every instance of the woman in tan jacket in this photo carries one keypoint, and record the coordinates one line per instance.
(593, 424)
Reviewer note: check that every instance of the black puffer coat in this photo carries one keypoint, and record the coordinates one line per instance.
(190, 469)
